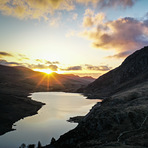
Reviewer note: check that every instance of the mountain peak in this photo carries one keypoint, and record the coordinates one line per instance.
(132, 71)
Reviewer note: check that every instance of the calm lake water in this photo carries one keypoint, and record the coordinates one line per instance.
(51, 120)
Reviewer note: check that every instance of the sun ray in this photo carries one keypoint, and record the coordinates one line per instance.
(38, 84)
(48, 82)
(58, 82)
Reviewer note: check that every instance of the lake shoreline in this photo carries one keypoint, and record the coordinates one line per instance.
(13, 108)
(12, 104)
(31, 122)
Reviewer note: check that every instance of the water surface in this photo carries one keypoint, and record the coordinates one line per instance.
(51, 120)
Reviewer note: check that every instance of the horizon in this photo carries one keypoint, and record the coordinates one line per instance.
(80, 37)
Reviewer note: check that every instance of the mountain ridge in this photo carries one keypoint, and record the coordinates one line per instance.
(17, 82)
(121, 119)
(119, 78)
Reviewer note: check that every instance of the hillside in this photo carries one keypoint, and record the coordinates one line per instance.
(14, 78)
(17, 82)
(132, 71)
(121, 119)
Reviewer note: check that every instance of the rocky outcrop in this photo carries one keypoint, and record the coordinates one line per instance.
(132, 71)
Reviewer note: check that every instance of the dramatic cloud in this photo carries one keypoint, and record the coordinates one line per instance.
(97, 68)
(53, 67)
(42, 8)
(122, 35)
(108, 3)
(72, 68)
(34, 8)
(2, 54)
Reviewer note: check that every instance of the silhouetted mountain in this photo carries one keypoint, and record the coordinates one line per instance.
(121, 119)
(17, 82)
(132, 71)
(21, 78)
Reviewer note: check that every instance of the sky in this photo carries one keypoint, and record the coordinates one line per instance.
(83, 37)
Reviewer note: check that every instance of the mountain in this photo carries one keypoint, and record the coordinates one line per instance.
(121, 119)
(17, 82)
(132, 71)
(14, 78)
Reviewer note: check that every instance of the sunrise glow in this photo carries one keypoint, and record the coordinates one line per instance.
(49, 71)
(78, 37)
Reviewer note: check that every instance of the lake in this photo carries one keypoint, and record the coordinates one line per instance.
(51, 120)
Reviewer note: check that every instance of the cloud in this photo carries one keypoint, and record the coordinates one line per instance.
(34, 8)
(122, 35)
(120, 55)
(23, 57)
(72, 68)
(53, 67)
(46, 61)
(6, 63)
(39, 60)
(108, 3)
(90, 19)
(43, 66)
(97, 68)
(54, 62)
(38, 66)
(2, 54)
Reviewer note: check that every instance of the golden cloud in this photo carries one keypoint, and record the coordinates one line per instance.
(90, 19)
(122, 35)
(34, 8)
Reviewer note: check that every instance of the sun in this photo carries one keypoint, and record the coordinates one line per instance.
(48, 71)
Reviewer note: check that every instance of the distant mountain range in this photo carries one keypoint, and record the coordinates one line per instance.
(132, 71)
(21, 78)
(17, 82)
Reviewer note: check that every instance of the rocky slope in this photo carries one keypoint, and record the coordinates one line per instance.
(132, 71)
(121, 120)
